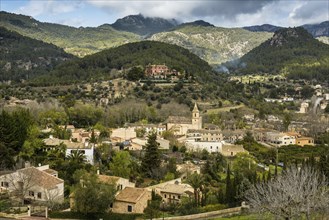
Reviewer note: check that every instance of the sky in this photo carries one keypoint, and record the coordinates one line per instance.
(222, 13)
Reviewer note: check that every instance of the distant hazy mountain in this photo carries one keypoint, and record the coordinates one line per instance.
(262, 28)
(22, 57)
(213, 44)
(141, 25)
(196, 23)
(318, 30)
(291, 51)
(78, 41)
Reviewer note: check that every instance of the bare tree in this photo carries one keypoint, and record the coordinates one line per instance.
(295, 193)
(53, 197)
(20, 183)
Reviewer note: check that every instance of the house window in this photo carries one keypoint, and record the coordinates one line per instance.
(39, 195)
(5, 184)
(178, 197)
(31, 193)
(173, 197)
(165, 195)
(130, 208)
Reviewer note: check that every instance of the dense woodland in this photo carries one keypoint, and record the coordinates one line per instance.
(22, 58)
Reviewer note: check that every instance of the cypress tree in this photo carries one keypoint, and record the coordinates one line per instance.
(229, 194)
(151, 159)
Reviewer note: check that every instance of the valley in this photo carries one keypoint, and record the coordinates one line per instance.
(150, 117)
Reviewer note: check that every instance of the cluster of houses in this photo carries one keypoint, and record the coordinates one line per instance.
(189, 131)
(279, 139)
(42, 185)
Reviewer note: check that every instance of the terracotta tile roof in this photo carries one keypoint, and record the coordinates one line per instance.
(131, 195)
(52, 141)
(204, 131)
(41, 178)
(179, 120)
(50, 171)
(108, 179)
(177, 189)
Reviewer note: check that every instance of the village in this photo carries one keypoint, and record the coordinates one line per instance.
(192, 155)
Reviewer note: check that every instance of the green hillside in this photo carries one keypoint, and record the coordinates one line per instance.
(22, 57)
(213, 44)
(99, 65)
(77, 41)
(291, 51)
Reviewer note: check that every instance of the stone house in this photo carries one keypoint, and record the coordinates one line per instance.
(119, 182)
(124, 133)
(172, 191)
(131, 200)
(231, 136)
(302, 141)
(230, 150)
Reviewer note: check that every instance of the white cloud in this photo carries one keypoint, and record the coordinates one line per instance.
(52, 7)
(226, 13)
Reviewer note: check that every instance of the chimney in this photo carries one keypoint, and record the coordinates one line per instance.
(27, 164)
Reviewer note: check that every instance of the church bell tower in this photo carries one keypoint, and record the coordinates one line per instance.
(196, 118)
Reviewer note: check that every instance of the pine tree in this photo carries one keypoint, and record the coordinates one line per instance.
(151, 161)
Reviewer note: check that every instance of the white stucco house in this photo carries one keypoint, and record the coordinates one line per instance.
(34, 184)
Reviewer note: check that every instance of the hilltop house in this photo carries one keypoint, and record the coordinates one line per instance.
(160, 71)
(180, 125)
(34, 184)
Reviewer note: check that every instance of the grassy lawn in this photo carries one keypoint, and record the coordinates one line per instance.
(246, 217)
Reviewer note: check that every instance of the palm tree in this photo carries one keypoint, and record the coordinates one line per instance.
(196, 181)
(77, 157)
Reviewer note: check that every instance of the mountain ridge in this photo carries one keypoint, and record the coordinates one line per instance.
(141, 25)
(292, 52)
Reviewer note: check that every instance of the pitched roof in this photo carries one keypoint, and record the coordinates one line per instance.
(131, 195)
(179, 120)
(52, 141)
(177, 189)
(204, 131)
(41, 178)
(108, 179)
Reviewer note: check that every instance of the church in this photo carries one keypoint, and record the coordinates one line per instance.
(179, 125)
